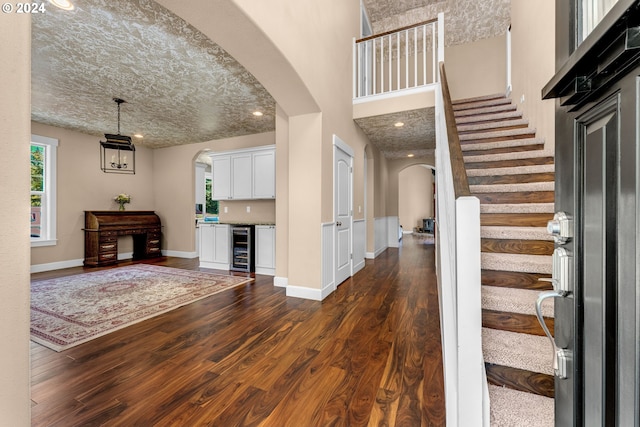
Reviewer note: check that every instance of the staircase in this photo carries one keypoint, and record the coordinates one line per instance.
(514, 180)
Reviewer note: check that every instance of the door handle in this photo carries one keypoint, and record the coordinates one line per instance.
(339, 224)
(561, 356)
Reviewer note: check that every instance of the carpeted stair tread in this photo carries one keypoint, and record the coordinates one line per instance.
(516, 262)
(521, 233)
(492, 125)
(518, 208)
(514, 300)
(516, 170)
(511, 179)
(510, 188)
(516, 279)
(512, 408)
(515, 322)
(509, 143)
(497, 135)
(523, 351)
(489, 117)
(502, 150)
(484, 110)
(533, 156)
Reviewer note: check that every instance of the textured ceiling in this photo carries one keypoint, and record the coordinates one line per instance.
(182, 88)
(416, 137)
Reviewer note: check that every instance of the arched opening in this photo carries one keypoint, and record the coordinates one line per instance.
(416, 199)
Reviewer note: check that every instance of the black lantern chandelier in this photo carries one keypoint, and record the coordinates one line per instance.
(117, 153)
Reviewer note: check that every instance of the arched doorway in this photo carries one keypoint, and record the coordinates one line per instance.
(416, 197)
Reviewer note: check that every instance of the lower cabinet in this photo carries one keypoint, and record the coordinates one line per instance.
(265, 251)
(215, 244)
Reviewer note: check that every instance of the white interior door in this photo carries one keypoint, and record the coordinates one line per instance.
(343, 210)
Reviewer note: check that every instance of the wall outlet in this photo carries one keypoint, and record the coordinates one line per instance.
(522, 99)
(226, 209)
(248, 209)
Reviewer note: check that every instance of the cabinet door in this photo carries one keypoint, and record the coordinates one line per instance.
(265, 246)
(241, 172)
(221, 176)
(206, 242)
(264, 175)
(221, 244)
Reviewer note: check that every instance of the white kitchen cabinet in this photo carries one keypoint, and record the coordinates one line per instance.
(265, 250)
(241, 174)
(215, 245)
(244, 174)
(221, 177)
(264, 174)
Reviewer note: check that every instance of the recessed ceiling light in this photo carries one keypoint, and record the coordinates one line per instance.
(410, 155)
(257, 113)
(62, 4)
(138, 135)
(398, 124)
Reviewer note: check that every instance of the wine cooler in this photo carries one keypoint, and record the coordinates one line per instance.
(242, 248)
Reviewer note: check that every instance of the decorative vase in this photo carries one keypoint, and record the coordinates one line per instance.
(121, 206)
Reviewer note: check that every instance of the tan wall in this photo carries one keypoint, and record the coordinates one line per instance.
(415, 196)
(533, 63)
(393, 190)
(478, 68)
(83, 186)
(15, 113)
(174, 188)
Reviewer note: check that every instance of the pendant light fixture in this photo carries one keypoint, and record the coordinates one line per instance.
(117, 153)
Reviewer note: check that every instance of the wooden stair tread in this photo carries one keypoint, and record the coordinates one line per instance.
(516, 279)
(532, 161)
(504, 150)
(479, 98)
(489, 117)
(517, 197)
(490, 126)
(484, 110)
(520, 379)
(497, 135)
(517, 246)
(512, 179)
(481, 103)
(515, 322)
(516, 219)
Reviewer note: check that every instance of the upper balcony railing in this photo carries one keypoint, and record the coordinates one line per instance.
(401, 60)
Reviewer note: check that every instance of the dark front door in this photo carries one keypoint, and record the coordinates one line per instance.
(597, 323)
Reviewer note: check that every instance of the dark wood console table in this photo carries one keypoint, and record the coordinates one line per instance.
(102, 228)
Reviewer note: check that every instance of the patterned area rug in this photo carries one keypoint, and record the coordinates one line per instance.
(68, 311)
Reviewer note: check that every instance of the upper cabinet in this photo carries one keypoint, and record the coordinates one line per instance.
(244, 174)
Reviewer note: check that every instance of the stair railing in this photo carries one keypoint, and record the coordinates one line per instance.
(399, 60)
(458, 271)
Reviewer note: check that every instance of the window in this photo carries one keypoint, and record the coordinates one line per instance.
(43, 190)
(591, 13)
(212, 205)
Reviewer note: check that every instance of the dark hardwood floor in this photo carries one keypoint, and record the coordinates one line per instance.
(369, 354)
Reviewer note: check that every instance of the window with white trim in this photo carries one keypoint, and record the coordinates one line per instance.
(43, 190)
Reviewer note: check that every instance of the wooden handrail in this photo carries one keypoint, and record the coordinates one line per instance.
(408, 27)
(460, 180)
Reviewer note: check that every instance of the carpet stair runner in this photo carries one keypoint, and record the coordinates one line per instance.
(514, 180)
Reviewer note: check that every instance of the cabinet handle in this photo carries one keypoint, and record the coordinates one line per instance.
(107, 246)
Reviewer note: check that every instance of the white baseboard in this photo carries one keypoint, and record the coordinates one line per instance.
(309, 293)
(266, 271)
(357, 267)
(369, 255)
(281, 282)
(181, 254)
(39, 268)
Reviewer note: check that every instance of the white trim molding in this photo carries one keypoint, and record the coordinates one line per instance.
(281, 282)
